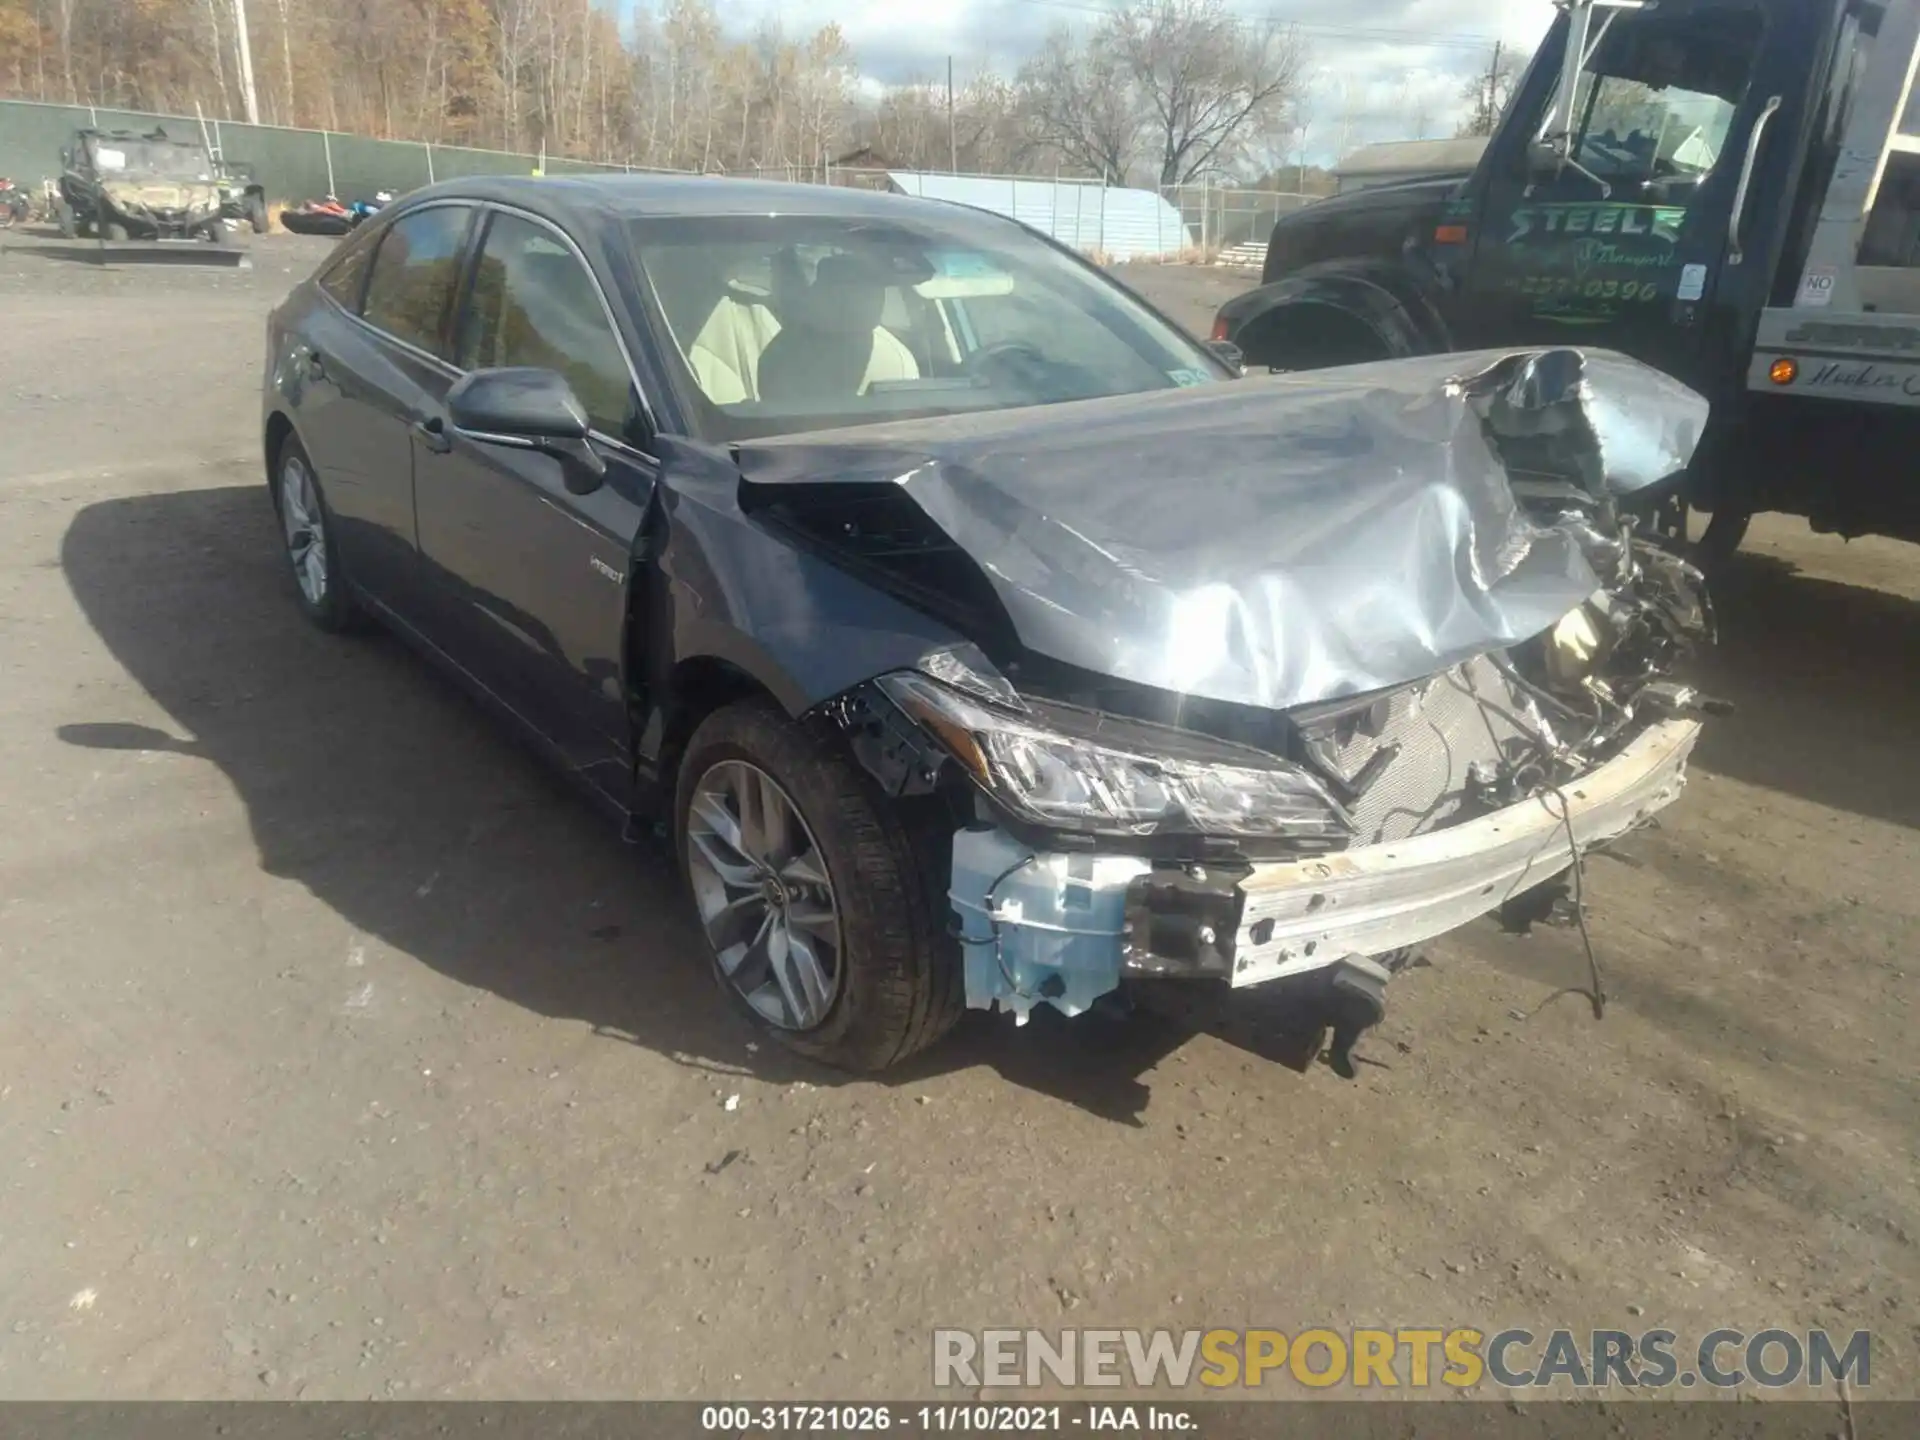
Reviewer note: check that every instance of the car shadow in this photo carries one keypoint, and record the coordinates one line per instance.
(1826, 688)
(416, 818)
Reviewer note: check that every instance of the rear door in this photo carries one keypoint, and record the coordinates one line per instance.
(534, 578)
(1649, 243)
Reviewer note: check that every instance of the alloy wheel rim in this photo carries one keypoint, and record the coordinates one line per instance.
(306, 539)
(764, 895)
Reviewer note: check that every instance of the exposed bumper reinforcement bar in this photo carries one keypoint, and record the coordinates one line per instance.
(1306, 914)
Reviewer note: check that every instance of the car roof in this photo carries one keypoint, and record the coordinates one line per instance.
(156, 136)
(620, 197)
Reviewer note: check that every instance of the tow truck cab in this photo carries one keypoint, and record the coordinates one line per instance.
(1709, 186)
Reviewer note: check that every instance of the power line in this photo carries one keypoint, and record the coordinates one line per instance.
(1461, 40)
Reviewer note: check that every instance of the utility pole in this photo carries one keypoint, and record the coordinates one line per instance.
(247, 96)
(953, 143)
(1493, 89)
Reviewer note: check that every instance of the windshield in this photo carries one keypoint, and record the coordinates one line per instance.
(794, 323)
(149, 159)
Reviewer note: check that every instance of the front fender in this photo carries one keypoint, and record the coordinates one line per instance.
(722, 586)
(1368, 306)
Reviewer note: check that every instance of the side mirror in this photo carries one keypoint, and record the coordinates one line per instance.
(529, 409)
(1231, 353)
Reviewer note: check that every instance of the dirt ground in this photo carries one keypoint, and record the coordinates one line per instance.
(344, 1054)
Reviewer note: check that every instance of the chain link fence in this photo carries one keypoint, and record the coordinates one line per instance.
(1229, 217)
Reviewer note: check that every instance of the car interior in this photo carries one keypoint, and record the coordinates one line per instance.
(773, 331)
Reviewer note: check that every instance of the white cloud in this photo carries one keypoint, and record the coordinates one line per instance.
(1387, 70)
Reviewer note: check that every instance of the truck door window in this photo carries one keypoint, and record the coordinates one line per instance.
(1658, 97)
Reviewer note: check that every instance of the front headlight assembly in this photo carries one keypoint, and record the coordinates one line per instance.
(1121, 777)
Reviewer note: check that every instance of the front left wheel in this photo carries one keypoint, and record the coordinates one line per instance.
(820, 913)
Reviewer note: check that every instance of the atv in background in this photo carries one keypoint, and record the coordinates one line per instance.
(118, 185)
(241, 196)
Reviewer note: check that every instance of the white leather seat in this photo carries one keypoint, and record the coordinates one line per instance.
(725, 355)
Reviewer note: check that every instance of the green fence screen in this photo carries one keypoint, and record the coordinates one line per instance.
(293, 165)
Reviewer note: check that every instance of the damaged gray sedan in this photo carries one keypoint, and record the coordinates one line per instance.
(982, 639)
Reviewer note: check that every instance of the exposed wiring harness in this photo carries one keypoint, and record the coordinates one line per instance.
(993, 919)
(1595, 990)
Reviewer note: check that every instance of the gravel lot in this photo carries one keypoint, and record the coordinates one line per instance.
(344, 1054)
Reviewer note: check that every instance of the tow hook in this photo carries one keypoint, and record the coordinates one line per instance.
(1356, 1002)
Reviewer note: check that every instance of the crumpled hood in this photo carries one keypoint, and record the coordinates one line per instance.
(137, 195)
(1280, 540)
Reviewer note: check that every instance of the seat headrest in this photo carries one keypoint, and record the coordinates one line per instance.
(847, 294)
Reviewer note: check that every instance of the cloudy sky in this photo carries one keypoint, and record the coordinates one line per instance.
(1386, 69)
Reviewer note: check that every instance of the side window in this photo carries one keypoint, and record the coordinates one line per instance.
(533, 303)
(1657, 99)
(345, 277)
(415, 270)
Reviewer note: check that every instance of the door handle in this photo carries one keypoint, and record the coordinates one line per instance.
(433, 434)
(1759, 133)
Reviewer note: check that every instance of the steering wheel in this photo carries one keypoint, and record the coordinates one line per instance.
(987, 357)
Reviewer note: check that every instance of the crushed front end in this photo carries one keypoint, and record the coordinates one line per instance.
(1109, 833)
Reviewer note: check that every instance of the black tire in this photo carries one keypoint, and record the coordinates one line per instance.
(1717, 543)
(899, 982)
(113, 232)
(64, 221)
(257, 214)
(330, 606)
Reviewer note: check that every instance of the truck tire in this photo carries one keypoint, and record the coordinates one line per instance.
(257, 213)
(821, 917)
(64, 221)
(1725, 530)
(113, 232)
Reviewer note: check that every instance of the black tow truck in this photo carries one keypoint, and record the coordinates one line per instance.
(1728, 190)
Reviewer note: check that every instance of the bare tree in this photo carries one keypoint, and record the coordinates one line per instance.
(1412, 102)
(1079, 101)
(679, 89)
(1209, 81)
(1487, 91)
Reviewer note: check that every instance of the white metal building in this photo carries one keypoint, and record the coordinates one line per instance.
(1123, 224)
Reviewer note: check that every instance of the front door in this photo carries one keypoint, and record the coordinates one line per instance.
(533, 578)
(1628, 244)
